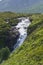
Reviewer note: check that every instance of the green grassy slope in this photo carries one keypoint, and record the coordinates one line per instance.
(31, 52)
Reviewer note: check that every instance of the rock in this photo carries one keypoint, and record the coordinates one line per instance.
(12, 38)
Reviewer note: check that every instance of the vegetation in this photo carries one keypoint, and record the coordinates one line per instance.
(31, 52)
(4, 54)
(7, 37)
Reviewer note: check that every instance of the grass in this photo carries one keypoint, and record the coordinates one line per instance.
(31, 52)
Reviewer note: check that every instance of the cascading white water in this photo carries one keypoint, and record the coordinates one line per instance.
(22, 28)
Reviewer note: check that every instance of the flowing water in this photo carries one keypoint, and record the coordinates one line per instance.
(22, 28)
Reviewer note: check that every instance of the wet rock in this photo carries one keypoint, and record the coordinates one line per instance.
(12, 38)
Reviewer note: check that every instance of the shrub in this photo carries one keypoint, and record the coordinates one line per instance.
(4, 54)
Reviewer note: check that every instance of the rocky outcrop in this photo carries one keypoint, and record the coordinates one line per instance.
(12, 38)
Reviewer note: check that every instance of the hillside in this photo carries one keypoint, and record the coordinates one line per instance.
(27, 6)
(8, 33)
(31, 52)
(36, 8)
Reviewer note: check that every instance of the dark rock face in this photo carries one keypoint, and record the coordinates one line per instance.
(30, 19)
(12, 38)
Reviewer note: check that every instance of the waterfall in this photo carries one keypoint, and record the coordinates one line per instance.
(22, 28)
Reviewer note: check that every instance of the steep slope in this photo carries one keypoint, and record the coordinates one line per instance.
(31, 52)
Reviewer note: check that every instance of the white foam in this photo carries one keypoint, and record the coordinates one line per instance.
(22, 28)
